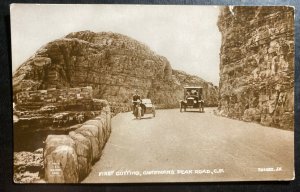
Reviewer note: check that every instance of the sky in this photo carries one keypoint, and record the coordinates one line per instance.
(186, 35)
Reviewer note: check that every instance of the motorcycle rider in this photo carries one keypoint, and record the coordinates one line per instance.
(136, 96)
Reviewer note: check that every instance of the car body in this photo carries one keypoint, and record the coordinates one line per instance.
(193, 98)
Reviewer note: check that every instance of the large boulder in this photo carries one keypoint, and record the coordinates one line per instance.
(91, 132)
(84, 153)
(60, 159)
(101, 131)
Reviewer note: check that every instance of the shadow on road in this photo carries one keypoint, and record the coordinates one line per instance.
(191, 112)
(143, 118)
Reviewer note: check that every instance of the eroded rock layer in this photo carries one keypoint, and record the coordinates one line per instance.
(257, 64)
(112, 64)
(28, 167)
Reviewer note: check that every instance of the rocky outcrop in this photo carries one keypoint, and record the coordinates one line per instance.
(28, 167)
(112, 64)
(257, 64)
(33, 124)
(69, 158)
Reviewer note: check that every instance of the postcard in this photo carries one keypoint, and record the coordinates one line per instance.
(152, 93)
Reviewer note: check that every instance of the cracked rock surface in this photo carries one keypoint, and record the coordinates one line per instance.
(257, 64)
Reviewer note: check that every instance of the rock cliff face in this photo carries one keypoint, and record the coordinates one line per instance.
(257, 64)
(112, 64)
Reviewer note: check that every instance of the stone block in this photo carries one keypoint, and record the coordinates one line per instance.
(60, 160)
(84, 154)
(91, 132)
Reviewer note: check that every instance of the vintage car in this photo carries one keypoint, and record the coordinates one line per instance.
(142, 107)
(193, 98)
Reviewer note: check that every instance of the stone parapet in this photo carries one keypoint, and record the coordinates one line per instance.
(69, 158)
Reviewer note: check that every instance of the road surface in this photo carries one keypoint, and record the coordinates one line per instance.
(191, 147)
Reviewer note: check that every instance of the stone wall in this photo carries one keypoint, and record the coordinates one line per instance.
(51, 96)
(257, 64)
(114, 65)
(67, 99)
(68, 158)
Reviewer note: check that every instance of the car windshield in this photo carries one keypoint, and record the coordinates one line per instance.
(192, 91)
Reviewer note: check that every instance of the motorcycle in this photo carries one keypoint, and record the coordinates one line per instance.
(137, 109)
(143, 106)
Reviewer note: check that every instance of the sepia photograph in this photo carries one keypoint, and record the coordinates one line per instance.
(114, 93)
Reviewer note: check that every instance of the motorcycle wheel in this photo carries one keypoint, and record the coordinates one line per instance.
(139, 112)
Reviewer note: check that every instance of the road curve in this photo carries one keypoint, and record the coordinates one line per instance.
(191, 147)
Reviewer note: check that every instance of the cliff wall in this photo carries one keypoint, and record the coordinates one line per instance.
(257, 64)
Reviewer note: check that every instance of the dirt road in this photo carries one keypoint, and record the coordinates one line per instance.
(192, 146)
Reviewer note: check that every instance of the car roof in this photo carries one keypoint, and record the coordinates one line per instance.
(193, 87)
